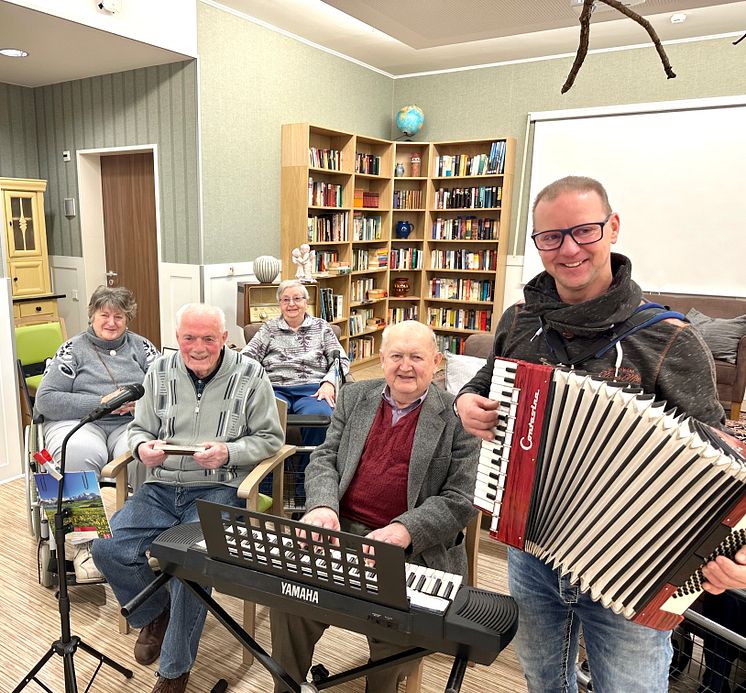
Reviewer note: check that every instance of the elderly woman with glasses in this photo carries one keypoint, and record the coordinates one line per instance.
(84, 371)
(301, 355)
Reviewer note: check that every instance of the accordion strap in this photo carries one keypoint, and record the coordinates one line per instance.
(639, 320)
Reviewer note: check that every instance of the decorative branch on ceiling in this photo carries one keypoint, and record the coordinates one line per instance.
(735, 43)
(585, 32)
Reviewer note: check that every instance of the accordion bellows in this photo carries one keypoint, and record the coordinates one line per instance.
(599, 480)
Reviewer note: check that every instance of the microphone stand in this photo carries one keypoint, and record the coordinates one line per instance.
(66, 645)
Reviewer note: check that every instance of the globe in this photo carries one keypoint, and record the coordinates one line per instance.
(410, 119)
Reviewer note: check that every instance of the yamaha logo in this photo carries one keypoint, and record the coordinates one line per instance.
(306, 594)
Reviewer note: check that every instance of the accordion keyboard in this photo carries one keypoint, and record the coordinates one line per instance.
(494, 455)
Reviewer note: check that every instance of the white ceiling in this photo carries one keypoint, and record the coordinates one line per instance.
(402, 37)
(397, 37)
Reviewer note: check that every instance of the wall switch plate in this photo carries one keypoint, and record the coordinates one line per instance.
(66, 155)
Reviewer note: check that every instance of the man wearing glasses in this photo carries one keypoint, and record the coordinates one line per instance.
(584, 294)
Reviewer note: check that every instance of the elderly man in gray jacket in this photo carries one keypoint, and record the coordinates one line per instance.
(220, 403)
(396, 466)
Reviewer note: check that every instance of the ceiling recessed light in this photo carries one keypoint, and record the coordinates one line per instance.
(13, 52)
(678, 18)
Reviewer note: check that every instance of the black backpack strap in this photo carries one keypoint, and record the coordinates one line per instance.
(639, 320)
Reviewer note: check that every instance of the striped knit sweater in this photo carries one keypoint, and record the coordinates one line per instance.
(237, 407)
(297, 357)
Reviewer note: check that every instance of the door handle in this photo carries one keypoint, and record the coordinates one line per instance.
(110, 277)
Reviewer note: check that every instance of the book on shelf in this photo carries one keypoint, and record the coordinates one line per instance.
(324, 158)
(466, 228)
(370, 199)
(366, 228)
(450, 343)
(475, 197)
(401, 313)
(464, 259)
(367, 163)
(329, 304)
(460, 318)
(405, 259)
(462, 289)
(408, 199)
(324, 194)
(361, 348)
(327, 228)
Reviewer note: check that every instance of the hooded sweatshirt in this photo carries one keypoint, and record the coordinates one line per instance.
(668, 359)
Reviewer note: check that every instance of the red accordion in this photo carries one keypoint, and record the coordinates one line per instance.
(597, 479)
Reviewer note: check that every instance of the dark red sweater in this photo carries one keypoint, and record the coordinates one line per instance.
(378, 491)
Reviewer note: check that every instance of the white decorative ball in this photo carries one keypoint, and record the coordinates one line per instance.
(266, 268)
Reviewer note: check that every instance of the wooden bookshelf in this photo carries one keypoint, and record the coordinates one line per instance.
(342, 195)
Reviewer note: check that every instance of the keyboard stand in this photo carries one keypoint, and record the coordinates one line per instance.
(261, 655)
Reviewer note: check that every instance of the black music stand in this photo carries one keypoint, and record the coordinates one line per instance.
(66, 645)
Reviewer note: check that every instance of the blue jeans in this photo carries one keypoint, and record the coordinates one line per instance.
(122, 560)
(300, 400)
(624, 657)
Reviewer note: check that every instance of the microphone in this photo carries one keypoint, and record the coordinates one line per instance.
(128, 393)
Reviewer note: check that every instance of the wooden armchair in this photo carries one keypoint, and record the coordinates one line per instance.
(249, 489)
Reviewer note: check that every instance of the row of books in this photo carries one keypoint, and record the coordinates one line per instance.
(466, 228)
(366, 198)
(408, 199)
(327, 228)
(463, 259)
(324, 258)
(405, 258)
(462, 289)
(460, 318)
(367, 163)
(475, 165)
(366, 228)
(476, 197)
(361, 348)
(359, 289)
(323, 194)
(359, 320)
(401, 314)
(324, 158)
(364, 259)
(450, 343)
(331, 305)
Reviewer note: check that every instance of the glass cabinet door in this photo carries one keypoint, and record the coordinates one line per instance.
(21, 211)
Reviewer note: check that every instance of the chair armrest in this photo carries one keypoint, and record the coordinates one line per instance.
(266, 466)
(117, 470)
(117, 465)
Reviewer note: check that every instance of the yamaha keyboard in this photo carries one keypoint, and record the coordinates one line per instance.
(337, 578)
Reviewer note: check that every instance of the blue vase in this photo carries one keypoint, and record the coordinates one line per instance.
(403, 229)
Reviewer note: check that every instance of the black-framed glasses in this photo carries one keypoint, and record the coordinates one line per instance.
(582, 234)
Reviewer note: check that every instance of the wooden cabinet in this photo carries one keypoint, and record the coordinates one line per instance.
(258, 302)
(25, 242)
(401, 230)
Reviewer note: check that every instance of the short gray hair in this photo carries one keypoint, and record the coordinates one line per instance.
(117, 297)
(289, 284)
(579, 184)
(201, 309)
(412, 325)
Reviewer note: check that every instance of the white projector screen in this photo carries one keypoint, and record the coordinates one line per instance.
(677, 178)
